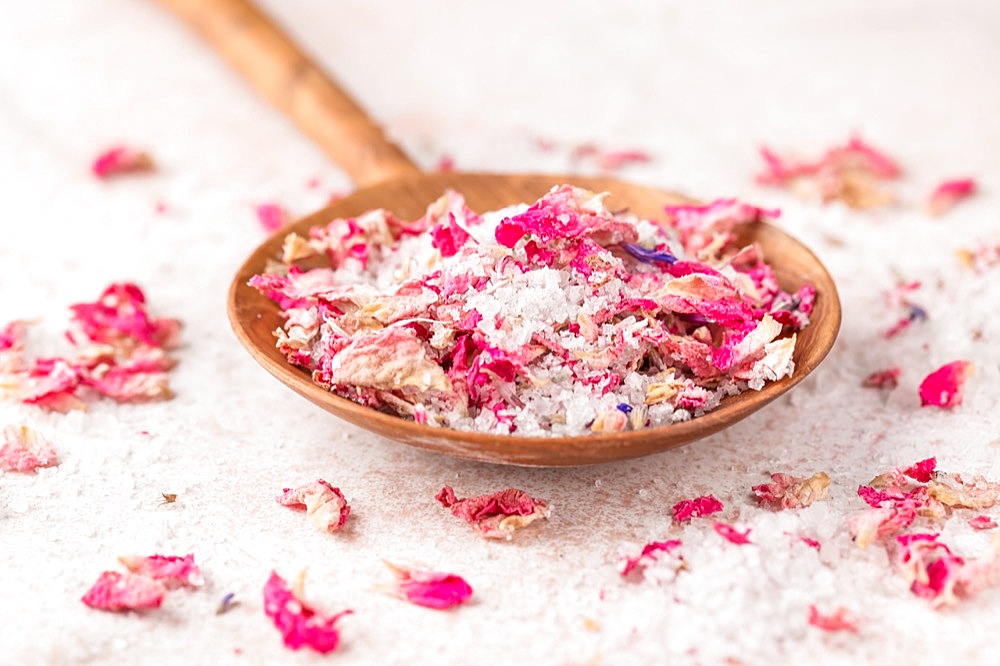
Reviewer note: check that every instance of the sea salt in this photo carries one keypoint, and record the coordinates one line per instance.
(558, 318)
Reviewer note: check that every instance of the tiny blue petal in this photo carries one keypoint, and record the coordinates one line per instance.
(642, 254)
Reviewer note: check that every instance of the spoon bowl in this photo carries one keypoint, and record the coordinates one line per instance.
(254, 319)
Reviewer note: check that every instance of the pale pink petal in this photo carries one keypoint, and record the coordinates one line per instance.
(271, 216)
(790, 492)
(172, 570)
(982, 522)
(24, 450)
(839, 620)
(659, 554)
(325, 505)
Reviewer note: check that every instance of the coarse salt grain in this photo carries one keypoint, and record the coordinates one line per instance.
(537, 320)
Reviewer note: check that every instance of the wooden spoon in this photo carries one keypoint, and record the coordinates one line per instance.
(388, 179)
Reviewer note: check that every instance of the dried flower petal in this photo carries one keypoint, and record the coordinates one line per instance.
(121, 160)
(886, 379)
(271, 216)
(877, 523)
(948, 194)
(24, 450)
(731, 534)
(790, 492)
(119, 592)
(325, 505)
(659, 554)
(299, 623)
(12, 347)
(982, 522)
(952, 490)
(846, 173)
(432, 589)
(944, 387)
(840, 620)
(496, 515)
(687, 509)
(922, 471)
(172, 570)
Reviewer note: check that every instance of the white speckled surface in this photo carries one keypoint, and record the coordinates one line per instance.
(700, 87)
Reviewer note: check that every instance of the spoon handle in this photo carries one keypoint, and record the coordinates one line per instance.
(260, 51)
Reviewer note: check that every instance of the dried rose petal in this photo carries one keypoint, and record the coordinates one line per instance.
(114, 591)
(173, 571)
(790, 492)
(883, 379)
(614, 160)
(24, 450)
(943, 387)
(982, 522)
(325, 505)
(299, 623)
(12, 347)
(812, 543)
(121, 160)
(496, 515)
(922, 471)
(952, 490)
(654, 552)
(687, 509)
(271, 216)
(731, 534)
(877, 523)
(840, 620)
(120, 318)
(948, 194)
(432, 589)
(930, 567)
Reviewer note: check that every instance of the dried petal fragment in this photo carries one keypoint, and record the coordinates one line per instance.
(952, 490)
(840, 620)
(172, 570)
(982, 522)
(299, 623)
(731, 534)
(886, 379)
(496, 515)
(24, 450)
(325, 505)
(12, 347)
(877, 523)
(120, 318)
(271, 216)
(944, 387)
(659, 553)
(922, 471)
(121, 160)
(119, 592)
(930, 567)
(790, 492)
(948, 194)
(433, 589)
(687, 509)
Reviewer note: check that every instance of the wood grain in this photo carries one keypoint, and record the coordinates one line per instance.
(288, 78)
(254, 318)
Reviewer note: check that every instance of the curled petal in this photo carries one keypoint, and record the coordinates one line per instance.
(325, 505)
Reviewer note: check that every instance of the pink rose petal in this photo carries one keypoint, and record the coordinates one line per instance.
(697, 507)
(171, 570)
(982, 522)
(840, 620)
(948, 194)
(791, 492)
(114, 591)
(944, 387)
(652, 553)
(121, 160)
(432, 589)
(496, 515)
(299, 623)
(271, 216)
(731, 534)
